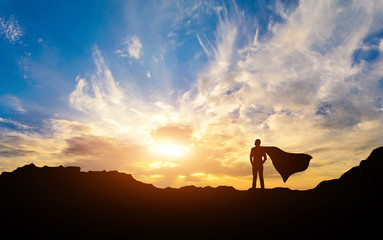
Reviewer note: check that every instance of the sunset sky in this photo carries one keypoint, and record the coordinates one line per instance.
(176, 92)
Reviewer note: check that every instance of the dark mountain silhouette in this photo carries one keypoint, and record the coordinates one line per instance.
(63, 202)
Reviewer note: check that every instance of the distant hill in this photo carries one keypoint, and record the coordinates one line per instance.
(63, 202)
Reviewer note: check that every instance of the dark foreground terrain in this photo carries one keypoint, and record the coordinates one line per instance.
(63, 202)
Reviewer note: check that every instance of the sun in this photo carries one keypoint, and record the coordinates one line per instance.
(170, 149)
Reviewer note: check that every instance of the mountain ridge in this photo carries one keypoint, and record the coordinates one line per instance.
(70, 202)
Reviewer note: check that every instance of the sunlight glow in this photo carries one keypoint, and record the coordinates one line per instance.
(159, 164)
(170, 149)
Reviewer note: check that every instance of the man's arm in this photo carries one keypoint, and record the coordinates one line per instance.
(251, 157)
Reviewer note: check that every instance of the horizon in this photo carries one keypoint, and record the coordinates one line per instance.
(176, 92)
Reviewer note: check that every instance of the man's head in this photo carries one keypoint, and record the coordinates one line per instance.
(257, 142)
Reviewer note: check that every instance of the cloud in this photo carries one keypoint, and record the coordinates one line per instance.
(95, 146)
(173, 133)
(103, 86)
(68, 129)
(297, 88)
(22, 145)
(14, 102)
(114, 110)
(203, 46)
(9, 152)
(92, 152)
(132, 47)
(100, 96)
(11, 29)
(15, 124)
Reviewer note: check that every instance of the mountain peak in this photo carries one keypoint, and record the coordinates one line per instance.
(365, 177)
(374, 159)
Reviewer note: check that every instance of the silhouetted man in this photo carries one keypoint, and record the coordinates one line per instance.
(257, 159)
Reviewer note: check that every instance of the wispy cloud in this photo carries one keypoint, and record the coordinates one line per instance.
(11, 29)
(13, 101)
(116, 110)
(203, 46)
(101, 91)
(15, 124)
(132, 47)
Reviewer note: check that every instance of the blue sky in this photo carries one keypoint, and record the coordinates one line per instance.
(213, 75)
(57, 39)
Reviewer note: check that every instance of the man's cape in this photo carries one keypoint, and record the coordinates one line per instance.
(287, 163)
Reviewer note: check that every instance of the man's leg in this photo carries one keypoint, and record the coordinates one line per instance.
(261, 177)
(254, 177)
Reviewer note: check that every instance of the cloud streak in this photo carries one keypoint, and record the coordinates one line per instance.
(15, 124)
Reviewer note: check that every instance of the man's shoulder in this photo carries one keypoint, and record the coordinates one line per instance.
(257, 149)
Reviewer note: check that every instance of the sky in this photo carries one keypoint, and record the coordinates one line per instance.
(176, 92)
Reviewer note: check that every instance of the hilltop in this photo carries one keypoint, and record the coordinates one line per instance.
(66, 202)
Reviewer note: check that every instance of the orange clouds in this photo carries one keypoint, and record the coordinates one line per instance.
(200, 165)
(102, 153)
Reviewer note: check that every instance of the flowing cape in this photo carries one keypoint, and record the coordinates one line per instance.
(287, 163)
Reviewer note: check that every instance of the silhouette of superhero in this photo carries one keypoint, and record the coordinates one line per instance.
(257, 158)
